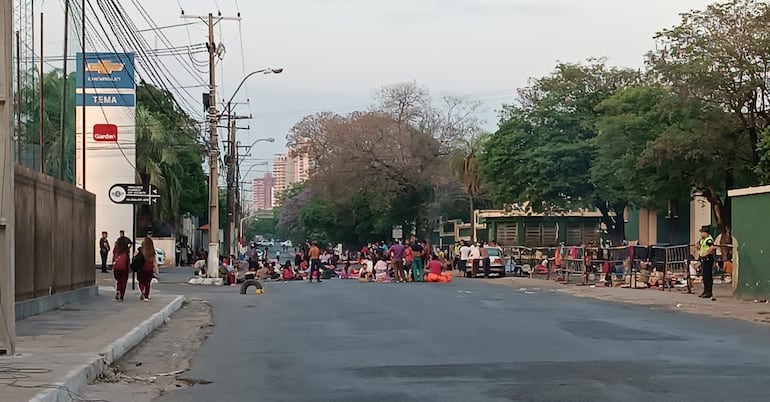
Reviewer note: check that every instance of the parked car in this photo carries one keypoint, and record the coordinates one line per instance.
(496, 264)
(160, 255)
(287, 244)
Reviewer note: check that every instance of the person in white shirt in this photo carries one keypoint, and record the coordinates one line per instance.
(465, 252)
(475, 259)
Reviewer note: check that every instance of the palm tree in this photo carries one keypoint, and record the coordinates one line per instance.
(157, 156)
(464, 164)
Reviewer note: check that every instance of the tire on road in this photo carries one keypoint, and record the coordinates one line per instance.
(248, 283)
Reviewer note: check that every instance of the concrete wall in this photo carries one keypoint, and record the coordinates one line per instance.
(652, 227)
(750, 222)
(168, 245)
(55, 234)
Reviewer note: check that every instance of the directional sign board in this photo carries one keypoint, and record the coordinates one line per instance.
(134, 194)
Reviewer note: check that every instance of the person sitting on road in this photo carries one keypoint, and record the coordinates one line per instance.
(344, 272)
(274, 274)
(381, 271)
(365, 273)
(434, 266)
(263, 273)
(289, 273)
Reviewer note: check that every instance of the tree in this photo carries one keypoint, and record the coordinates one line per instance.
(30, 96)
(630, 121)
(542, 154)
(377, 168)
(260, 226)
(182, 133)
(156, 155)
(721, 56)
(464, 163)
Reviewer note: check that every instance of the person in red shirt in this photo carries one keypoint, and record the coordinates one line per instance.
(434, 266)
(409, 258)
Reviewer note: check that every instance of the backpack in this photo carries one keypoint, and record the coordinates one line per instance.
(137, 265)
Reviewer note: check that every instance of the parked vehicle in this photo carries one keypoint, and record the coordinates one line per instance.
(287, 244)
(160, 255)
(496, 264)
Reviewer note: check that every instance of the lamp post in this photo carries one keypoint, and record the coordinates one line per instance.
(248, 148)
(232, 159)
(240, 233)
(237, 203)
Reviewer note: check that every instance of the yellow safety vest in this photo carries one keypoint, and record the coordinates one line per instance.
(704, 247)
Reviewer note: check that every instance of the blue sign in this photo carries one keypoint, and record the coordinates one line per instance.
(105, 99)
(106, 71)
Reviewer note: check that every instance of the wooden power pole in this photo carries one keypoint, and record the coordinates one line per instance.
(212, 265)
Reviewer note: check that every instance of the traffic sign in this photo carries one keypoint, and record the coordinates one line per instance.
(134, 194)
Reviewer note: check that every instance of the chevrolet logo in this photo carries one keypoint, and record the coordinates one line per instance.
(104, 67)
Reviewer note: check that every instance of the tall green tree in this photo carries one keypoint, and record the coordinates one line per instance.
(464, 163)
(721, 57)
(156, 156)
(30, 96)
(542, 154)
(183, 146)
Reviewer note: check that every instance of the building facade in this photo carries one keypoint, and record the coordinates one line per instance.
(262, 192)
(289, 168)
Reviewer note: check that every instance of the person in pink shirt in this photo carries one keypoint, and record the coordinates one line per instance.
(434, 266)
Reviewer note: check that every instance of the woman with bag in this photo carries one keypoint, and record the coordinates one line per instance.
(149, 268)
(120, 263)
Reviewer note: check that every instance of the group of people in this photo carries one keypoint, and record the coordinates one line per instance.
(409, 261)
(400, 262)
(143, 262)
(474, 256)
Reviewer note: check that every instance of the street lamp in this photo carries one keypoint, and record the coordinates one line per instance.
(262, 71)
(248, 149)
(252, 167)
(214, 200)
(241, 223)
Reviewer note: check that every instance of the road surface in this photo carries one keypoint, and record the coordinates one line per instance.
(466, 341)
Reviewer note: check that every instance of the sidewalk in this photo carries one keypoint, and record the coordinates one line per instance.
(60, 352)
(725, 305)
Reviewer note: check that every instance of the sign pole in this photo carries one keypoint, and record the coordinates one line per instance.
(133, 244)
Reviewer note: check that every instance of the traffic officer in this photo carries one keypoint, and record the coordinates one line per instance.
(706, 256)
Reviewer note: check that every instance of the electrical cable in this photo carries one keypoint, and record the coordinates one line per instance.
(152, 95)
(120, 148)
(117, 20)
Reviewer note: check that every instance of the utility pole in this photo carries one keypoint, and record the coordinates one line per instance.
(231, 162)
(42, 101)
(212, 265)
(7, 204)
(63, 112)
(232, 179)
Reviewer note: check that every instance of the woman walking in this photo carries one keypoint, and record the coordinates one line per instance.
(120, 263)
(149, 270)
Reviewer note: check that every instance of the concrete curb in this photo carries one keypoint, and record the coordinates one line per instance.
(76, 380)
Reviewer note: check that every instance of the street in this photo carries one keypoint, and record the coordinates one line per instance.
(465, 341)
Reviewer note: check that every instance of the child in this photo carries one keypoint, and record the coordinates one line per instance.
(381, 271)
(365, 274)
(344, 273)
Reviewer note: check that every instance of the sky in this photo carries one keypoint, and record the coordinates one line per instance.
(337, 53)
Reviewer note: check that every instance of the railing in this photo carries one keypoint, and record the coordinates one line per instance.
(636, 265)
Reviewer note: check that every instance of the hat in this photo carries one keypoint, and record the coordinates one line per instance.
(704, 229)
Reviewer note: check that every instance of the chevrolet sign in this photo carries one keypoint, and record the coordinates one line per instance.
(104, 67)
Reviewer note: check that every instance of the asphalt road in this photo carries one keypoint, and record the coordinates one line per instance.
(465, 341)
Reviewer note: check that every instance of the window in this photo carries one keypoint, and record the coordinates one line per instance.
(507, 234)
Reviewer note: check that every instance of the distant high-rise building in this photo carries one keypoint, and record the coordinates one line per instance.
(289, 168)
(279, 175)
(262, 192)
